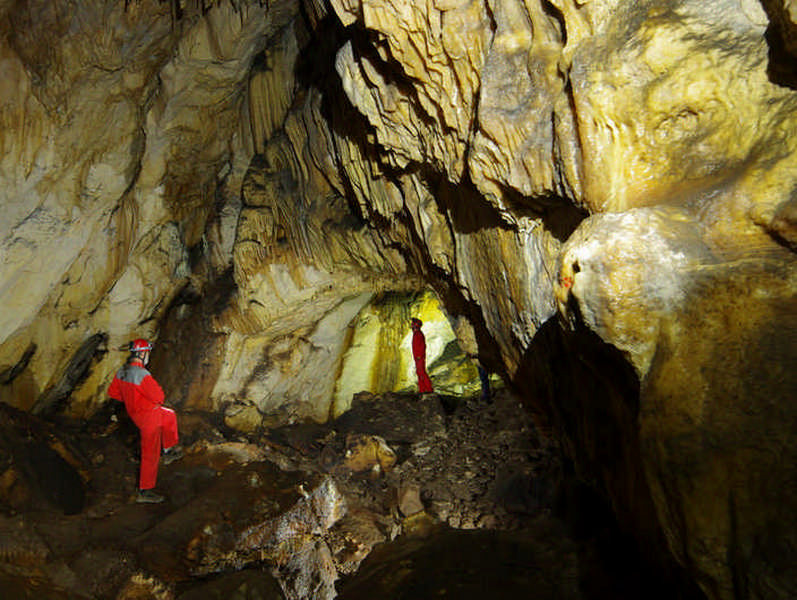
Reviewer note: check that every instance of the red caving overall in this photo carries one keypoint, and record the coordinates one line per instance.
(143, 399)
(419, 354)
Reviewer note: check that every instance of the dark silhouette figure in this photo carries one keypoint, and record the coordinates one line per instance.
(484, 378)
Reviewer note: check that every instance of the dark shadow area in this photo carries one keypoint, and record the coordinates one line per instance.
(187, 337)
(256, 584)
(10, 374)
(783, 227)
(559, 215)
(477, 565)
(782, 67)
(467, 209)
(588, 396)
(77, 370)
(35, 456)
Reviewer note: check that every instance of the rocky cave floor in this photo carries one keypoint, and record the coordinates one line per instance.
(403, 496)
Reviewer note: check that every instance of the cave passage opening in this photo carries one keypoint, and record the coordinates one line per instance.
(378, 354)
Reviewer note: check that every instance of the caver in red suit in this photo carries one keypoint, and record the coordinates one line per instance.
(419, 354)
(143, 399)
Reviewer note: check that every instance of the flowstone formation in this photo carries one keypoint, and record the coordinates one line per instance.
(601, 194)
(120, 130)
(681, 281)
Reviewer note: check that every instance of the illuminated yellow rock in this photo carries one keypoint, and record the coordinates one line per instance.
(627, 168)
(367, 453)
(112, 132)
(672, 125)
(378, 358)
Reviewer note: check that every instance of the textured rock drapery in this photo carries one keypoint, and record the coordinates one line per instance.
(626, 168)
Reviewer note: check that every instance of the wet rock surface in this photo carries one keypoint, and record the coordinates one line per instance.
(461, 492)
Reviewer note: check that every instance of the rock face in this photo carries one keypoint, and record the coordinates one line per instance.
(233, 519)
(637, 117)
(120, 127)
(601, 194)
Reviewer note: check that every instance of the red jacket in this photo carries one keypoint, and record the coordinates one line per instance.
(137, 388)
(418, 344)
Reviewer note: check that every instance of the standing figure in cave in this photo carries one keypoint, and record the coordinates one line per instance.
(143, 398)
(419, 354)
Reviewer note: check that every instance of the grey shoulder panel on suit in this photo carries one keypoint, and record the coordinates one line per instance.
(132, 374)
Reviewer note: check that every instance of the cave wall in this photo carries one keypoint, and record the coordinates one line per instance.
(379, 359)
(669, 126)
(575, 181)
(121, 135)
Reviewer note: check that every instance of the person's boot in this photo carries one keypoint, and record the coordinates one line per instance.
(149, 497)
(172, 454)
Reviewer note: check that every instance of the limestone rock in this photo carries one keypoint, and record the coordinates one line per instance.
(690, 322)
(441, 52)
(409, 499)
(621, 288)
(725, 432)
(368, 453)
(628, 167)
(108, 115)
(378, 356)
(636, 114)
(303, 559)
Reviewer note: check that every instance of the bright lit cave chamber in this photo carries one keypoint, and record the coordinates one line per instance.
(596, 202)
